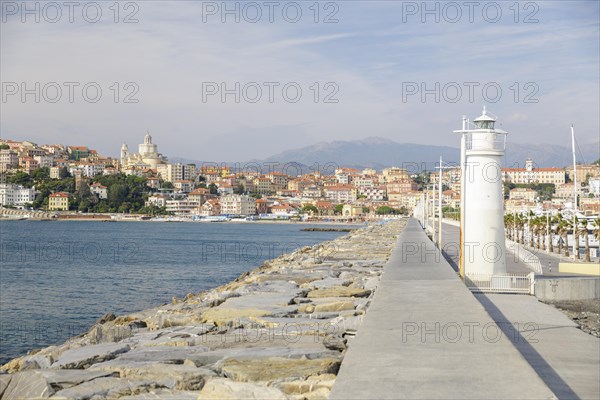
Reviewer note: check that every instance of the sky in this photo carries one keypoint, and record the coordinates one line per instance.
(237, 80)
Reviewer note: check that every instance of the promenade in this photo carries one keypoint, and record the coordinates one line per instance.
(427, 336)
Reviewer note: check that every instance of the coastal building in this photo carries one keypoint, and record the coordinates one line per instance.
(344, 176)
(55, 172)
(278, 179)
(312, 192)
(350, 210)
(8, 159)
(518, 206)
(99, 190)
(584, 172)
(147, 154)
(401, 186)
(109, 171)
(76, 153)
(532, 174)
(373, 193)
(262, 206)
(362, 181)
(394, 174)
(340, 193)
(263, 185)
(58, 201)
(15, 195)
(224, 189)
(200, 195)
(210, 208)
(183, 186)
(181, 207)
(589, 205)
(526, 194)
(157, 200)
(284, 210)
(28, 164)
(299, 184)
(44, 161)
(594, 186)
(565, 191)
(236, 204)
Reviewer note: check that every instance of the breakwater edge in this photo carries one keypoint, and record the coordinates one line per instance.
(278, 331)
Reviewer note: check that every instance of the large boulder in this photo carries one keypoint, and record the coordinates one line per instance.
(83, 357)
(338, 291)
(224, 389)
(273, 368)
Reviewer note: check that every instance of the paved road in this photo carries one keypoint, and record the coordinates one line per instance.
(426, 336)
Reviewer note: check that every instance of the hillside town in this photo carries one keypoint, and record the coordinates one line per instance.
(66, 180)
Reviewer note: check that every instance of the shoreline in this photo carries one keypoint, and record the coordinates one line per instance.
(289, 321)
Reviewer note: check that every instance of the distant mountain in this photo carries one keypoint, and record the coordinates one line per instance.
(549, 155)
(378, 153)
(373, 152)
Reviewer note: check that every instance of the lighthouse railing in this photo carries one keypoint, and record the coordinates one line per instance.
(476, 142)
(504, 283)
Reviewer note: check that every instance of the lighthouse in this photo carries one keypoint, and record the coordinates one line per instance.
(482, 222)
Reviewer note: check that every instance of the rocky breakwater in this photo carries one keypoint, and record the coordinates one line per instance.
(277, 332)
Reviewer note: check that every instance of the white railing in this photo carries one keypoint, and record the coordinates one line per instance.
(505, 283)
(525, 256)
(496, 142)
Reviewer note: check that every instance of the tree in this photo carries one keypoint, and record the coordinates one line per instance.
(40, 175)
(4, 146)
(64, 173)
(117, 194)
(213, 188)
(309, 208)
(21, 178)
(583, 230)
(167, 185)
(337, 209)
(385, 210)
(563, 232)
(239, 189)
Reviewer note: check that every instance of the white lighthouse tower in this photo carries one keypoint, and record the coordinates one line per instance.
(483, 247)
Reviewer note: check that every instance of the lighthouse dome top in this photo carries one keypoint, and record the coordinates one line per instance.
(484, 121)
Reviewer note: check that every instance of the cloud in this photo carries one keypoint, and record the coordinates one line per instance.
(171, 54)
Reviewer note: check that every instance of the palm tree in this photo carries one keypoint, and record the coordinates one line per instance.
(563, 232)
(509, 226)
(550, 246)
(518, 222)
(540, 229)
(531, 227)
(584, 231)
(596, 228)
(575, 225)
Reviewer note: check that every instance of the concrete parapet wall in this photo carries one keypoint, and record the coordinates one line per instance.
(567, 289)
(580, 268)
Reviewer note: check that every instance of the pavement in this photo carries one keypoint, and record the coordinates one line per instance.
(426, 336)
(564, 357)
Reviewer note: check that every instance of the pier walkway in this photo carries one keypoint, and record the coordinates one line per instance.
(427, 337)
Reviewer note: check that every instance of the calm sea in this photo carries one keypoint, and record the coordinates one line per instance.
(57, 278)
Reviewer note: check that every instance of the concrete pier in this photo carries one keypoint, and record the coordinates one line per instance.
(427, 337)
